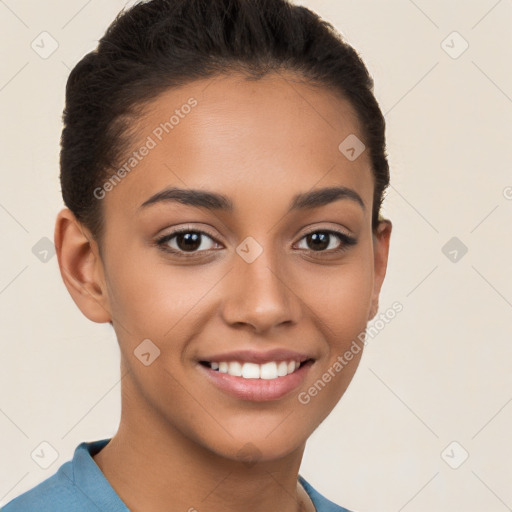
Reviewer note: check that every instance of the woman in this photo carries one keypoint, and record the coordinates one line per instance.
(223, 166)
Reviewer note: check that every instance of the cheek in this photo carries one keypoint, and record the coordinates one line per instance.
(341, 302)
(151, 297)
(341, 296)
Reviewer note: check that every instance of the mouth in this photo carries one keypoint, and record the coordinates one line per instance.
(257, 377)
(248, 370)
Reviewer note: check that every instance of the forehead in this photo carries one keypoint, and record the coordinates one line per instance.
(273, 138)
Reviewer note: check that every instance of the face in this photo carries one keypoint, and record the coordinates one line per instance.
(260, 280)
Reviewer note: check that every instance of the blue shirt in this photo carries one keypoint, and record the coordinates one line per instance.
(80, 486)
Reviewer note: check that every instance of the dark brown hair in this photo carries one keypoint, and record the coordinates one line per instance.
(162, 44)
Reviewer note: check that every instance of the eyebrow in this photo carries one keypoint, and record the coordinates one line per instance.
(220, 202)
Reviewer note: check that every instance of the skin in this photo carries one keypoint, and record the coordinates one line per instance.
(260, 143)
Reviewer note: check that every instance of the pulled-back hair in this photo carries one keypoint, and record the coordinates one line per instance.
(162, 44)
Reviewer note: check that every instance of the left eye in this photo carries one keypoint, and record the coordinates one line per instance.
(321, 238)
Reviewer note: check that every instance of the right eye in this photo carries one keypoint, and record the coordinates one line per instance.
(184, 242)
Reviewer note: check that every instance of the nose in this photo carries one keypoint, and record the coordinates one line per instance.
(260, 294)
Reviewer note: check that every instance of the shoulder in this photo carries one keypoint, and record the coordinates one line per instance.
(54, 493)
(77, 486)
(322, 504)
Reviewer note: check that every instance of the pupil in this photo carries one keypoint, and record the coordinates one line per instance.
(192, 240)
(324, 239)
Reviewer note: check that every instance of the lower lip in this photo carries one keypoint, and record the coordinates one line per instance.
(257, 390)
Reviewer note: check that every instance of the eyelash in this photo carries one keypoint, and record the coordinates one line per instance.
(346, 241)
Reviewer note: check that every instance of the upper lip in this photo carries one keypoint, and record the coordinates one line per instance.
(252, 356)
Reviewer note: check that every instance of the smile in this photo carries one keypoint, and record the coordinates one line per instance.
(268, 371)
(262, 378)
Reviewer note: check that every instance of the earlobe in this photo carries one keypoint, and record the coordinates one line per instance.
(381, 239)
(81, 267)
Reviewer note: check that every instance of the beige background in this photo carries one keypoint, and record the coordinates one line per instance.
(439, 372)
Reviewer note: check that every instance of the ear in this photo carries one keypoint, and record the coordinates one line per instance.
(81, 267)
(381, 238)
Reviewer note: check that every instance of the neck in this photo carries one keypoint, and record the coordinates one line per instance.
(154, 467)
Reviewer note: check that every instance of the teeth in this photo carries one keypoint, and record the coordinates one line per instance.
(235, 368)
(267, 371)
(251, 371)
(282, 369)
